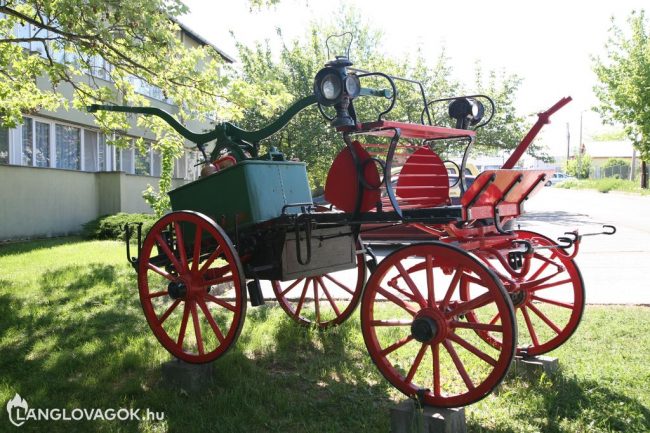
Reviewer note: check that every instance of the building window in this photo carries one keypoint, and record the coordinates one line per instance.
(4, 146)
(68, 147)
(101, 154)
(90, 150)
(143, 162)
(156, 163)
(42, 144)
(28, 141)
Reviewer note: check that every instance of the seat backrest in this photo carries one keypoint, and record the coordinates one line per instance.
(423, 180)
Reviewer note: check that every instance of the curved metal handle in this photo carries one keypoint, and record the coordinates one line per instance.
(567, 241)
(347, 53)
(525, 243)
(392, 85)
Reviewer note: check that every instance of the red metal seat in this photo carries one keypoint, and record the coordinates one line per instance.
(385, 128)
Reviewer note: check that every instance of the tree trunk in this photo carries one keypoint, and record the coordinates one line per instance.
(644, 174)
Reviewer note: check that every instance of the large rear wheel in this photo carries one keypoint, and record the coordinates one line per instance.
(549, 300)
(414, 325)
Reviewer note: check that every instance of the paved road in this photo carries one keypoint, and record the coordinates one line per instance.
(615, 268)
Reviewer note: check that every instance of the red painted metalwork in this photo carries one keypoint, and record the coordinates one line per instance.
(548, 294)
(342, 182)
(543, 119)
(423, 180)
(196, 305)
(385, 128)
(335, 295)
(418, 338)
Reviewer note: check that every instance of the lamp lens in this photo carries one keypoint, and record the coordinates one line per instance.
(352, 85)
(331, 87)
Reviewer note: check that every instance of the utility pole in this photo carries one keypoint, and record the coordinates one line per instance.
(568, 142)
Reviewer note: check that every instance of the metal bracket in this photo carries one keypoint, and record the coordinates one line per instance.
(128, 233)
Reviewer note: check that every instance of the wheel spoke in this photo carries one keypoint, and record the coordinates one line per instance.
(545, 318)
(196, 255)
(197, 328)
(459, 365)
(220, 302)
(394, 322)
(476, 303)
(549, 285)
(181, 332)
(302, 298)
(529, 325)
(215, 254)
(473, 349)
(169, 311)
(294, 284)
(180, 245)
(211, 321)
(494, 319)
(477, 326)
(396, 300)
(332, 279)
(161, 272)
(170, 255)
(553, 302)
(157, 294)
(430, 289)
(541, 269)
(316, 300)
(393, 347)
(435, 360)
(409, 282)
(416, 363)
(452, 288)
(216, 281)
(329, 297)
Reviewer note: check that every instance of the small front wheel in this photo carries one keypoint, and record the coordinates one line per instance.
(323, 300)
(191, 287)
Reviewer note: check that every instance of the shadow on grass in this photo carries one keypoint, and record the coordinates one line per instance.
(564, 403)
(80, 340)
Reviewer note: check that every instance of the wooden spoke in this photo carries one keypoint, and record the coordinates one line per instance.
(332, 279)
(215, 254)
(416, 363)
(211, 321)
(473, 349)
(430, 289)
(550, 285)
(180, 245)
(302, 298)
(477, 326)
(396, 300)
(409, 282)
(157, 294)
(197, 328)
(196, 255)
(294, 284)
(393, 322)
(181, 332)
(393, 347)
(452, 288)
(544, 318)
(553, 302)
(459, 365)
(316, 300)
(161, 272)
(220, 302)
(329, 297)
(435, 360)
(169, 311)
(529, 325)
(170, 255)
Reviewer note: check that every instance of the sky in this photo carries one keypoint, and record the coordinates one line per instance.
(548, 44)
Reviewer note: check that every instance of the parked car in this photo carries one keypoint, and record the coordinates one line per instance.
(557, 178)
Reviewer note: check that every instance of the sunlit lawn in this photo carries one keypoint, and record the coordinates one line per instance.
(72, 335)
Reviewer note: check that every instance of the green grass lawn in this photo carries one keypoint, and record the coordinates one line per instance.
(605, 185)
(72, 335)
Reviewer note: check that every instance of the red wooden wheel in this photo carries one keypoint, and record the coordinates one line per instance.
(414, 325)
(550, 299)
(324, 300)
(191, 287)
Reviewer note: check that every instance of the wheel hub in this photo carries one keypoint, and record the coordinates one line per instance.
(518, 298)
(176, 290)
(424, 329)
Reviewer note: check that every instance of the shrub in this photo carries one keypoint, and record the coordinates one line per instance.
(112, 226)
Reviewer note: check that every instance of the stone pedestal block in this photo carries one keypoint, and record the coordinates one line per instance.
(407, 418)
(190, 377)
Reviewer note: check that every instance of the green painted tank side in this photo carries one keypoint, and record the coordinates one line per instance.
(250, 192)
